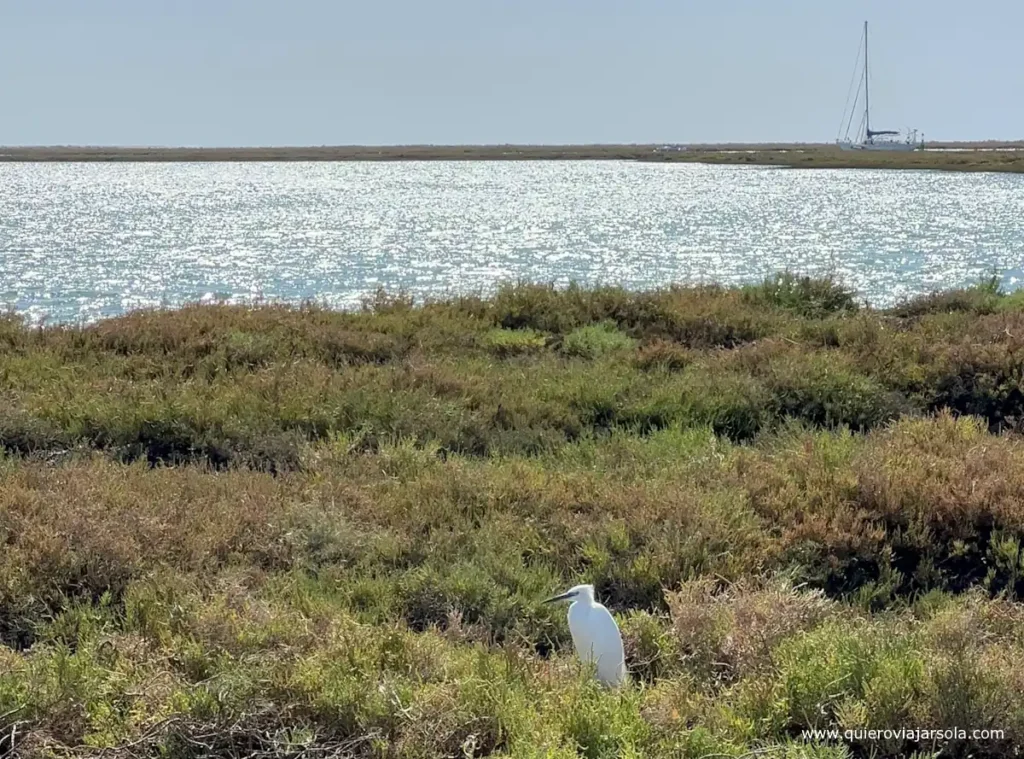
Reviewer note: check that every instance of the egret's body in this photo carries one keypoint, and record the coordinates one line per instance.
(595, 635)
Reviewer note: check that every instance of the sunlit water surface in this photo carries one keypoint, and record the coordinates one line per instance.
(84, 241)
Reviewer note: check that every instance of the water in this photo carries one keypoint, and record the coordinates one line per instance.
(84, 241)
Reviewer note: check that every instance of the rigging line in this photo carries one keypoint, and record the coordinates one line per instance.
(852, 112)
(871, 80)
(862, 124)
(856, 65)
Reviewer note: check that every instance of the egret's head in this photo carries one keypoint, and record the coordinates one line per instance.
(576, 593)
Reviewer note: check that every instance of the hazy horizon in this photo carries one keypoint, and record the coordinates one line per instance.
(180, 73)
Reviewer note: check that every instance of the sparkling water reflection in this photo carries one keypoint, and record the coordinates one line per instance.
(83, 241)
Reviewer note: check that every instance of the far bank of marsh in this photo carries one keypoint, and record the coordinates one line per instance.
(997, 157)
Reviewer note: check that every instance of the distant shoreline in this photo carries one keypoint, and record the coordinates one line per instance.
(1004, 156)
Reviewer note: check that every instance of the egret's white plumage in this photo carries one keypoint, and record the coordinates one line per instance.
(595, 634)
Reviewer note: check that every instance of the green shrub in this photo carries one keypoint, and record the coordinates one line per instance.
(983, 298)
(595, 340)
(513, 342)
(807, 296)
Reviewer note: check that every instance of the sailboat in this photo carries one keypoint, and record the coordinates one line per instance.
(874, 139)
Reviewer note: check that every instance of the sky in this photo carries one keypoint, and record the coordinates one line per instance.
(379, 72)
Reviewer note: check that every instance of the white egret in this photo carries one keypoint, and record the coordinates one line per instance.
(595, 634)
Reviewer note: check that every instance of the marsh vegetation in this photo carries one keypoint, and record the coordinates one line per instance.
(267, 530)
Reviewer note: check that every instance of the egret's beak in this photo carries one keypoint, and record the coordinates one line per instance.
(562, 597)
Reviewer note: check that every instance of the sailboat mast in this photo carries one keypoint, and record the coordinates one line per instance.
(867, 102)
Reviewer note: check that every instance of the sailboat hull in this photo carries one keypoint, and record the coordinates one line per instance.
(899, 147)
